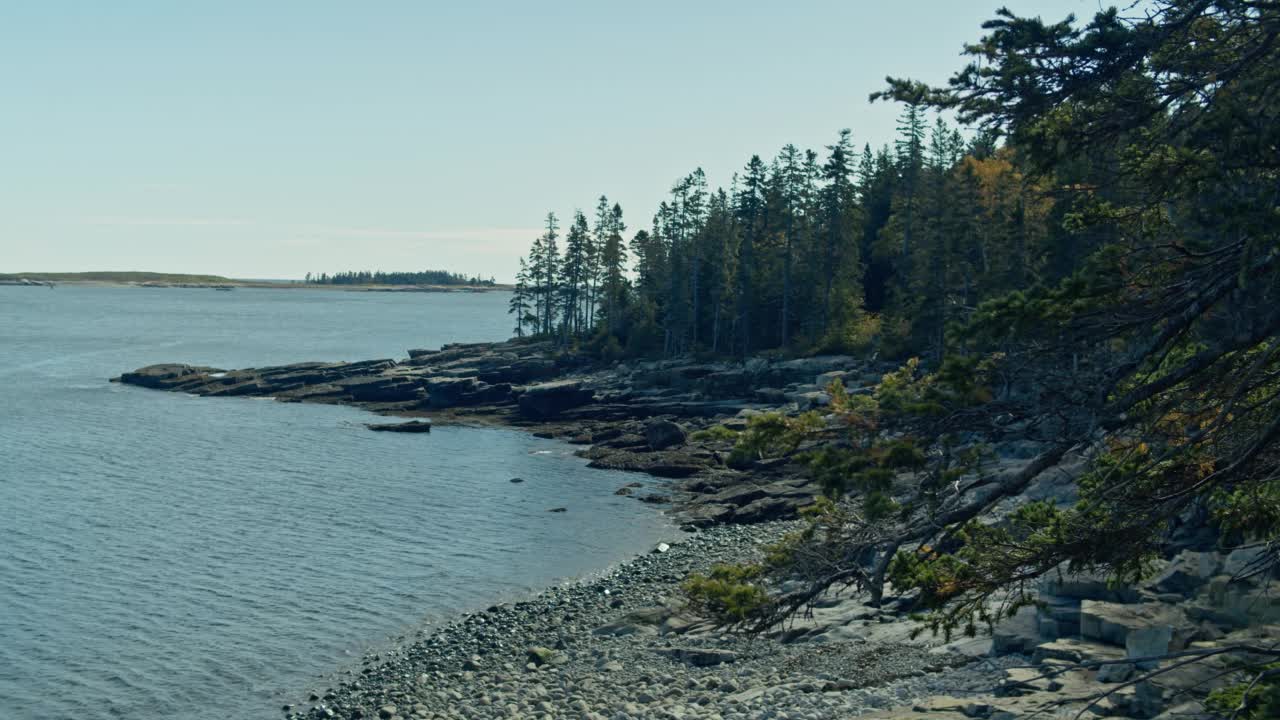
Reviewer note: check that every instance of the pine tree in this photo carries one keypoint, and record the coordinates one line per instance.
(910, 158)
(595, 256)
(545, 269)
(613, 263)
(749, 206)
(520, 302)
(838, 199)
(573, 275)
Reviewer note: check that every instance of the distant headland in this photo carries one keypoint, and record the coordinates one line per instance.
(425, 281)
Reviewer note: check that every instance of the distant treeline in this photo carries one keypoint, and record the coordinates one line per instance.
(425, 277)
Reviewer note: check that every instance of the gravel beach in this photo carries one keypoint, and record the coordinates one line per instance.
(619, 646)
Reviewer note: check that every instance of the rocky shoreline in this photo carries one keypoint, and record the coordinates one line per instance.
(624, 645)
(642, 417)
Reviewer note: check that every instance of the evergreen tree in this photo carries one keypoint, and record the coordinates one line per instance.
(749, 205)
(613, 264)
(573, 281)
(544, 267)
(838, 200)
(595, 256)
(520, 303)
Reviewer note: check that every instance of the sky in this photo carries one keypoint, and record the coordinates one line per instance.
(270, 139)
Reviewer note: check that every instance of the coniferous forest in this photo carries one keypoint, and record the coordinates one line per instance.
(841, 249)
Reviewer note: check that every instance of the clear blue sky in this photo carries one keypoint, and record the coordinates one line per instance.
(269, 138)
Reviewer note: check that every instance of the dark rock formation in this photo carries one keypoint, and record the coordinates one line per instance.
(166, 376)
(548, 400)
(414, 426)
(632, 416)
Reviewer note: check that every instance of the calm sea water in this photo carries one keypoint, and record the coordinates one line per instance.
(163, 556)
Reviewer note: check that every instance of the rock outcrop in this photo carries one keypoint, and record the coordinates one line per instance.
(634, 416)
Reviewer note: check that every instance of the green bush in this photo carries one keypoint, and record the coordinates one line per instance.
(728, 593)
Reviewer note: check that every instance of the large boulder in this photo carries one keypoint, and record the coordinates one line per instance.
(548, 400)
(1114, 623)
(661, 434)
(707, 514)
(771, 508)
(1187, 573)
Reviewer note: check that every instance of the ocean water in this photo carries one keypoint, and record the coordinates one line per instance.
(164, 556)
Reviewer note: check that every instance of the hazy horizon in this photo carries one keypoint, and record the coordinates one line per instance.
(268, 142)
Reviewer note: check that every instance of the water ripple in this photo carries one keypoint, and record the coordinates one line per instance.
(163, 556)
